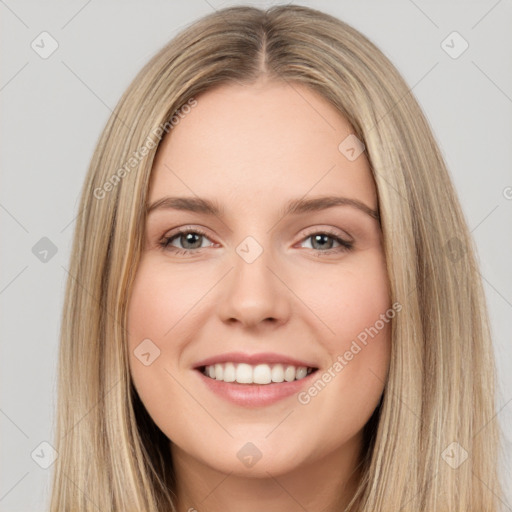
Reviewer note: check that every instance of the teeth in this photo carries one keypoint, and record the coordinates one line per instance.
(229, 372)
(258, 374)
(219, 372)
(262, 374)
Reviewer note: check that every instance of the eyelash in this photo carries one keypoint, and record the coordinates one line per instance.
(164, 243)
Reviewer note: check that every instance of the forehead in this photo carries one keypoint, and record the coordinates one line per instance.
(248, 144)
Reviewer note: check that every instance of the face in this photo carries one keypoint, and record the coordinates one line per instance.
(256, 291)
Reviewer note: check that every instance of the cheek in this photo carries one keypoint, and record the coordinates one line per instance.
(160, 303)
(161, 321)
(349, 298)
(154, 311)
(150, 323)
(355, 307)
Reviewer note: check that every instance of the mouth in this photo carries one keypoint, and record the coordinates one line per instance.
(255, 374)
(255, 385)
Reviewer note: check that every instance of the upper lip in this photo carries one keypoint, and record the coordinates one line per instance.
(253, 359)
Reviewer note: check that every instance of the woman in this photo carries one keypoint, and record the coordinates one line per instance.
(288, 151)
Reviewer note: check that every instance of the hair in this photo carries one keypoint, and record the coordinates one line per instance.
(441, 383)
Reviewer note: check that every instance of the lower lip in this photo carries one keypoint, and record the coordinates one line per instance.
(254, 395)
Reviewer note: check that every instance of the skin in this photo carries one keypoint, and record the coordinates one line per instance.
(253, 148)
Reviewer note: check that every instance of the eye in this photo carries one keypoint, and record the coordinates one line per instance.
(191, 240)
(320, 240)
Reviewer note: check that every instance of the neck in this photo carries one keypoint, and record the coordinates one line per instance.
(327, 484)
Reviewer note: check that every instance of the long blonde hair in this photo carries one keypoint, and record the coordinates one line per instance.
(438, 403)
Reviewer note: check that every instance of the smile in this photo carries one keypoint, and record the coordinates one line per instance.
(251, 393)
(243, 373)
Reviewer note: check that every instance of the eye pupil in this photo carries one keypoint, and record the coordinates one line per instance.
(319, 238)
(188, 237)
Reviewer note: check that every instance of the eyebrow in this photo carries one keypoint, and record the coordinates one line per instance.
(292, 207)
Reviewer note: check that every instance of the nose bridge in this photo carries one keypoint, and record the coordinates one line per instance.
(253, 292)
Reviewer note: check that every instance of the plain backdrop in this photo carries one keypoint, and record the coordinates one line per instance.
(55, 106)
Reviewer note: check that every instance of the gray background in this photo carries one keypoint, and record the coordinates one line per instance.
(54, 109)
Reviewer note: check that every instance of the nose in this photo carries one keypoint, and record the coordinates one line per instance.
(254, 293)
